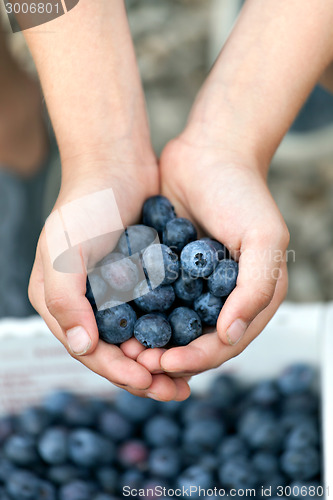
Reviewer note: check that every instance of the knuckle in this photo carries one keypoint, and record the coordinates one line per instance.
(264, 295)
(56, 303)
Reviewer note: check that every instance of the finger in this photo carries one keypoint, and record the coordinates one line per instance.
(162, 390)
(132, 348)
(107, 360)
(208, 351)
(150, 359)
(259, 271)
(65, 299)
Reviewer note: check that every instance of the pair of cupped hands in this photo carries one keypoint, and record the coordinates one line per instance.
(224, 192)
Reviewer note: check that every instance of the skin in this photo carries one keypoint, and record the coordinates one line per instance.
(214, 172)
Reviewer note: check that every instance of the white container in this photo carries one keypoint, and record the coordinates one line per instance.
(33, 362)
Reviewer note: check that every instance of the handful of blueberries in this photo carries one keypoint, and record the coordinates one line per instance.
(73, 448)
(162, 293)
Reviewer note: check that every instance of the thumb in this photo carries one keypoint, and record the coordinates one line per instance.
(259, 271)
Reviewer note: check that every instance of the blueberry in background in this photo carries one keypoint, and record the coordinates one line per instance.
(119, 272)
(238, 473)
(179, 232)
(296, 379)
(232, 447)
(114, 425)
(201, 436)
(208, 308)
(165, 462)
(152, 330)
(21, 449)
(87, 448)
(188, 289)
(77, 490)
(195, 476)
(33, 421)
(63, 474)
(115, 323)
(266, 464)
(301, 463)
(161, 265)
(198, 259)
(159, 299)
(223, 280)
(107, 477)
(161, 430)
(52, 446)
(186, 326)
(157, 211)
(132, 453)
(136, 409)
(304, 434)
(23, 485)
(135, 239)
(265, 393)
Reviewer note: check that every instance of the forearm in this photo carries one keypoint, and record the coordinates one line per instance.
(91, 83)
(273, 58)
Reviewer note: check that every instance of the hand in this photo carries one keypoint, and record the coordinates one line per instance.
(59, 297)
(226, 196)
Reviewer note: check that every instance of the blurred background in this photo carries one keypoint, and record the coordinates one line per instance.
(176, 43)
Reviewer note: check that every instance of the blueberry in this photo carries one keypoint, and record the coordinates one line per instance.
(161, 265)
(6, 468)
(265, 393)
(157, 211)
(161, 430)
(135, 239)
(208, 308)
(301, 463)
(186, 325)
(266, 435)
(56, 402)
(266, 464)
(222, 252)
(133, 453)
(165, 462)
(203, 435)
(119, 272)
(52, 446)
(115, 324)
(237, 473)
(198, 259)
(88, 449)
(131, 478)
(152, 330)
(63, 474)
(80, 413)
(136, 409)
(224, 391)
(198, 409)
(195, 476)
(107, 478)
(115, 425)
(23, 485)
(77, 490)
(188, 289)
(296, 379)
(178, 233)
(231, 447)
(159, 299)
(305, 403)
(46, 491)
(6, 428)
(223, 280)
(33, 421)
(20, 449)
(305, 434)
(96, 289)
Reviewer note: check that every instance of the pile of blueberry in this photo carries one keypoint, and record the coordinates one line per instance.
(73, 448)
(162, 293)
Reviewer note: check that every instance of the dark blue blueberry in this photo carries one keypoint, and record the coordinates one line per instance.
(305, 434)
(224, 391)
(195, 409)
(55, 403)
(23, 485)
(208, 461)
(96, 289)
(305, 403)
(157, 211)
(107, 478)
(186, 326)
(260, 429)
(47, 491)
(115, 324)
(104, 496)
(301, 463)
(152, 330)
(223, 280)
(152, 487)
(6, 468)
(52, 446)
(131, 479)
(296, 379)
(132, 453)
(134, 408)
(265, 393)
(231, 447)
(33, 421)
(161, 430)
(159, 299)
(178, 233)
(265, 464)
(221, 250)
(198, 259)
(203, 435)
(165, 462)
(135, 239)
(80, 413)
(119, 272)
(88, 449)
(195, 476)
(7, 426)
(77, 490)
(63, 474)
(237, 473)
(290, 421)
(21, 449)
(208, 308)
(114, 425)
(161, 265)
(188, 289)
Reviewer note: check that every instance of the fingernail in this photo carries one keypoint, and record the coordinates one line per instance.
(78, 340)
(151, 395)
(236, 331)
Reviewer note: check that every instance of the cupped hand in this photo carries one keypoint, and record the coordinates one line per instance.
(59, 297)
(225, 194)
